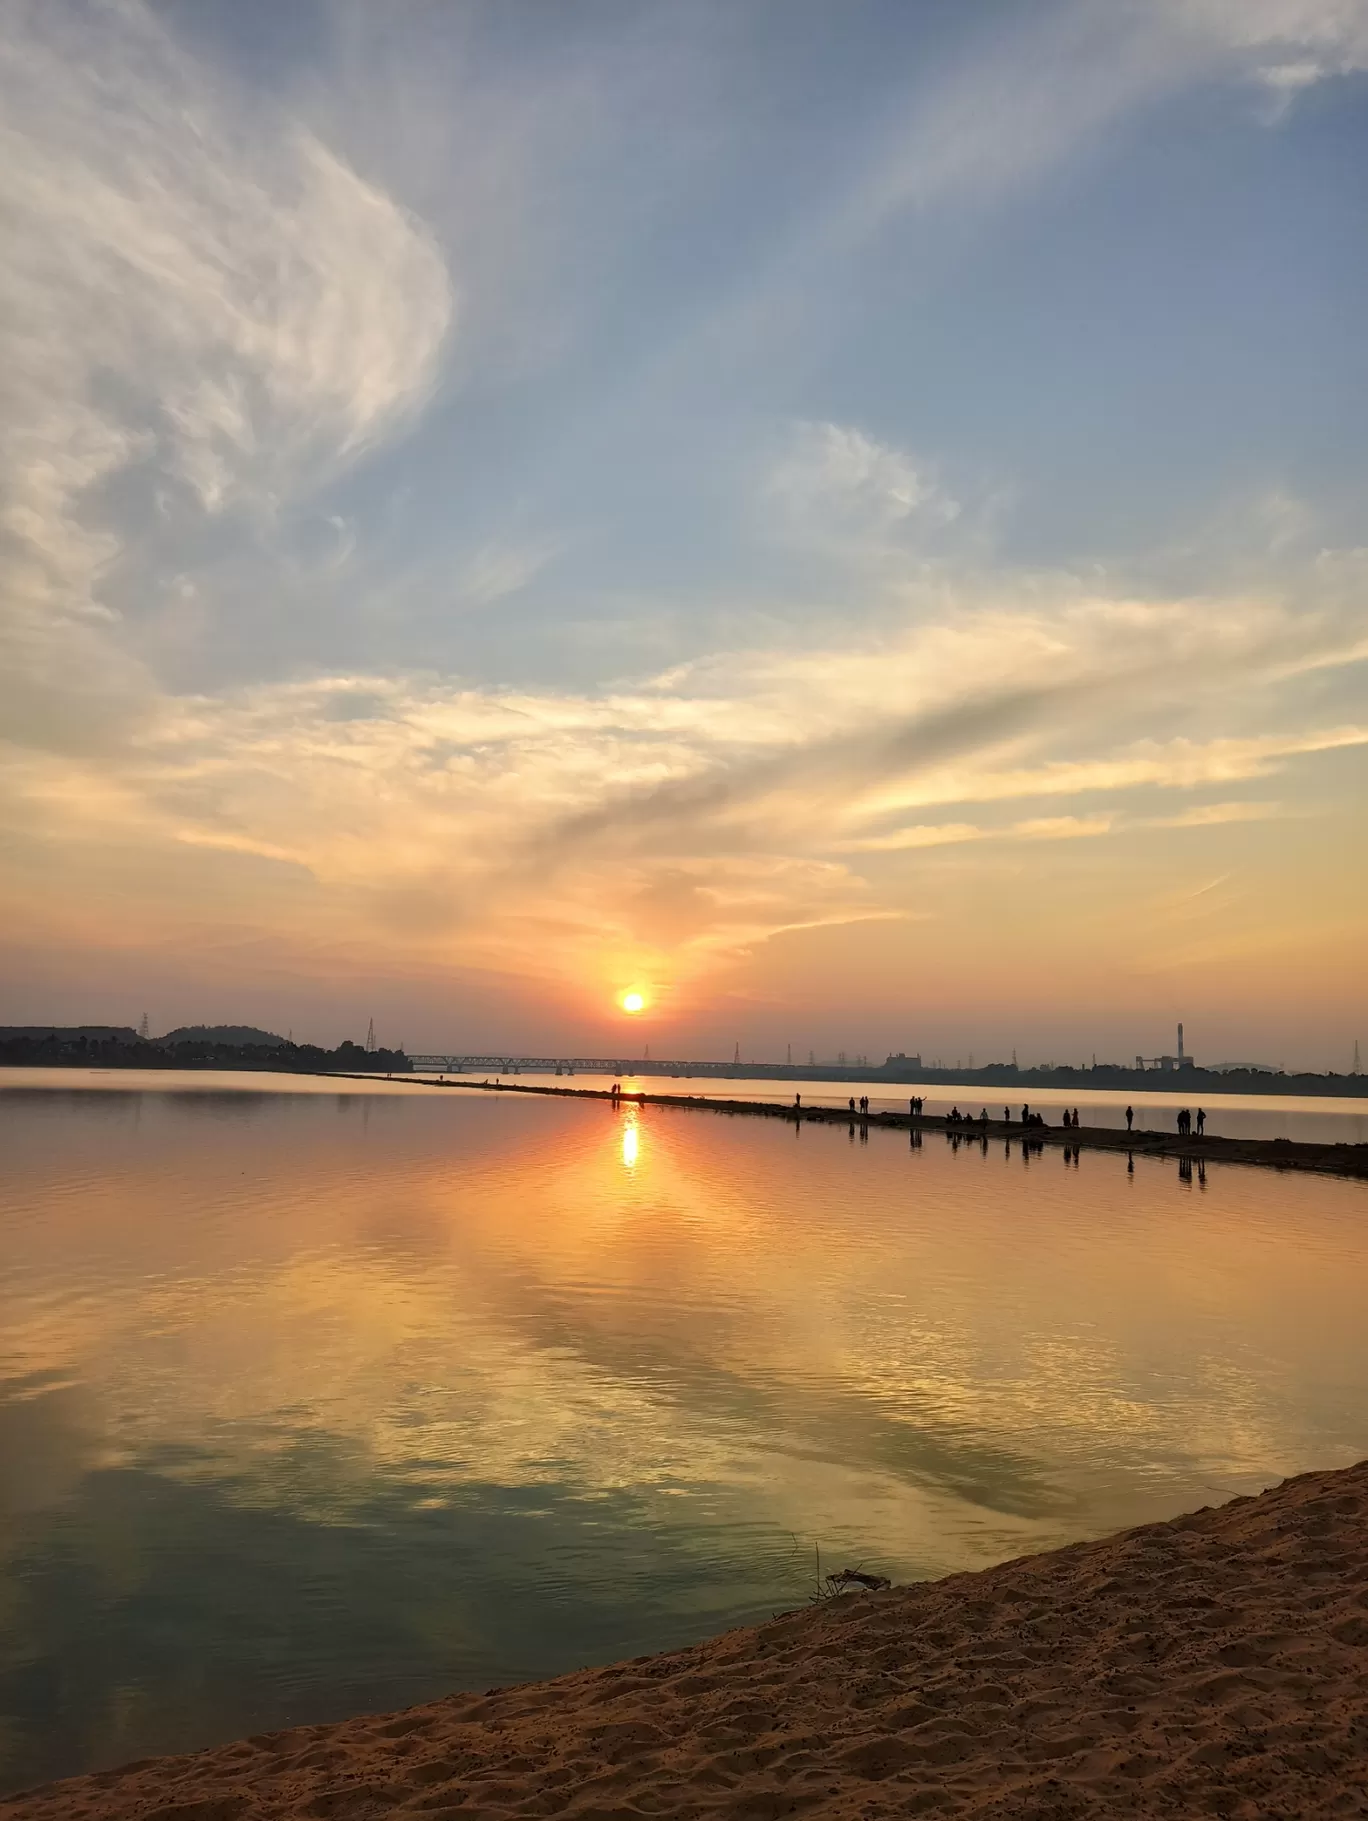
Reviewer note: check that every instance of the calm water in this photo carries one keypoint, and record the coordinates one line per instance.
(1305, 1117)
(314, 1400)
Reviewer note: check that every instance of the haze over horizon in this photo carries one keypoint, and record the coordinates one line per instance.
(847, 522)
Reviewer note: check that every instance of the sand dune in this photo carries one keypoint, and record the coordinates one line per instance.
(1216, 1665)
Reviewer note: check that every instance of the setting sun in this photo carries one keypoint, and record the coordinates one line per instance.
(633, 1002)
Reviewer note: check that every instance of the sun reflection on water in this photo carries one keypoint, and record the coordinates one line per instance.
(416, 1333)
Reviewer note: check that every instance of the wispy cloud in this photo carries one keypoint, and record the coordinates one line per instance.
(203, 309)
(1180, 764)
(671, 823)
(835, 478)
(1058, 828)
(498, 570)
(1295, 43)
(1213, 815)
(1043, 90)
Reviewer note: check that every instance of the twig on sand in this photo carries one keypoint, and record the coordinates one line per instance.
(849, 1580)
(856, 1577)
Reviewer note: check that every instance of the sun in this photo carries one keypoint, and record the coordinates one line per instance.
(633, 1002)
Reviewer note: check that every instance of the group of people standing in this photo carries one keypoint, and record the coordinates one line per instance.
(954, 1117)
(916, 1106)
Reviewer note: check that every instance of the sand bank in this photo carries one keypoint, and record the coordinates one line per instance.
(1270, 1153)
(1215, 1665)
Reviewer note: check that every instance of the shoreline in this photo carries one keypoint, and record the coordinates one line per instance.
(1349, 1160)
(1213, 1664)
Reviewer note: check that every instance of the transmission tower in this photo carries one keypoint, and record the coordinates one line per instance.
(142, 1032)
(370, 1038)
(1357, 1069)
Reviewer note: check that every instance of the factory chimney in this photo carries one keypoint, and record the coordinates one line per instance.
(1180, 1046)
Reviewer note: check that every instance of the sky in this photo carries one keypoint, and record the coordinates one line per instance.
(844, 520)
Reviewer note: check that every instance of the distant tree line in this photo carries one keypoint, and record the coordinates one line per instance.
(1116, 1076)
(1014, 1081)
(116, 1048)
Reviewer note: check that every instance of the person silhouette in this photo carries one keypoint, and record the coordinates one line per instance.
(1130, 1117)
(852, 1104)
(1026, 1114)
(1201, 1122)
(1075, 1119)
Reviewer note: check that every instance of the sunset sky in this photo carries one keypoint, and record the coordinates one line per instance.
(846, 520)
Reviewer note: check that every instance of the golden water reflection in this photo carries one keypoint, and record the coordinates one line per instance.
(486, 1387)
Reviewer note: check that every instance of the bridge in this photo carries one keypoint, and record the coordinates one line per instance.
(516, 1065)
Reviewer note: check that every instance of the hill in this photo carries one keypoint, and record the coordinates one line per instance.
(221, 1033)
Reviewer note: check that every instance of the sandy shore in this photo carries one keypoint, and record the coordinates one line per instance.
(1216, 1665)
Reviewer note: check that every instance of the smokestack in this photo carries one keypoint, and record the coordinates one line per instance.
(1180, 1043)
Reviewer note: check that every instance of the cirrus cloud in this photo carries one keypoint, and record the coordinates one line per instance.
(202, 308)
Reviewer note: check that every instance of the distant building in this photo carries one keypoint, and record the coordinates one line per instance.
(1168, 1064)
